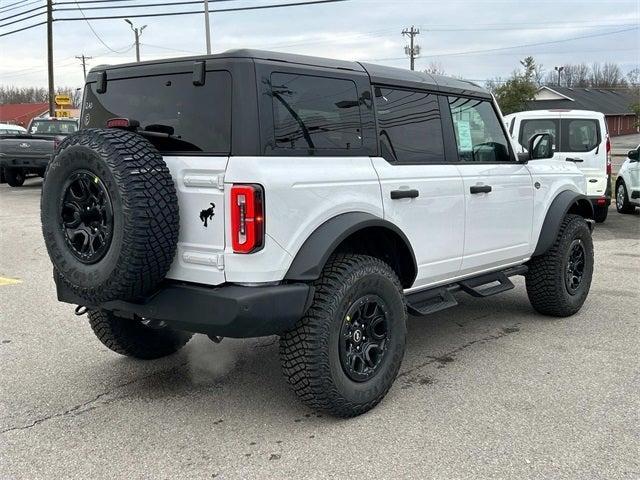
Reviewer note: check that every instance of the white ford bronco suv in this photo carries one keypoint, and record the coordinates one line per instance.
(253, 193)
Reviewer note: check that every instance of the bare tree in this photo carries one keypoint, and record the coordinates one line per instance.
(606, 75)
(435, 68)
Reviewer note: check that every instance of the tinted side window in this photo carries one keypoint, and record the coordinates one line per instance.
(410, 126)
(198, 116)
(478, 131)
(315, 112)
(528, 128)
(579, 135)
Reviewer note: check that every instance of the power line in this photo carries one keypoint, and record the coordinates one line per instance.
(94, 31)
(146, 5)
(8, 8)
(200, 12)
(22, 13)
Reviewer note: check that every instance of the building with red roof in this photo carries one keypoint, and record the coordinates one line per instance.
(21, 113)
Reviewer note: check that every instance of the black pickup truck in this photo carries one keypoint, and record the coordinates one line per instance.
(23, 154)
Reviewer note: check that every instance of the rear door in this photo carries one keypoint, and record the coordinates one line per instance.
(422, 193)
(583, 140)
(191, 126)
(498, 190)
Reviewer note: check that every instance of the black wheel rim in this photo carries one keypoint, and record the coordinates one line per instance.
(86, 216)
(575, 266)
(364, 338)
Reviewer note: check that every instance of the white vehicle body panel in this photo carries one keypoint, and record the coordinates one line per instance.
(498, 224)
(301, 193)
(594, 162)
(434, 221)
(200, 253)
(630, 173)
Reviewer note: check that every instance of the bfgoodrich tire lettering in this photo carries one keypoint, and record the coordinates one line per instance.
(550, 290)
(310, 353)
(144, 205)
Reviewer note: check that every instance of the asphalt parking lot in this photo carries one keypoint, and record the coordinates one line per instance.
(487, 390)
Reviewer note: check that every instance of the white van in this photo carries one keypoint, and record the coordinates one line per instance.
(580, 136)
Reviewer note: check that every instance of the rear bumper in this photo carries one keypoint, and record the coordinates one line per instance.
(25, 162)
(601, 201)
(227, 311)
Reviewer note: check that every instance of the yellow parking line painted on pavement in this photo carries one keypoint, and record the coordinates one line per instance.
(9, 281)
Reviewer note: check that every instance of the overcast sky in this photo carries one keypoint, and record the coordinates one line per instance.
(467, 38)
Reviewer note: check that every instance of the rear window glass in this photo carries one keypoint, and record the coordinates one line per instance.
(187, 118)
(410, 126)
(579, 135)
(315, 113)
(52, 127)
(528, 128)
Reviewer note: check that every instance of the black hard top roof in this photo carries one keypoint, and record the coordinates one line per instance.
(379, 74)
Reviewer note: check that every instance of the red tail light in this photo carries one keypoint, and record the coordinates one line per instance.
(125, 123)
(247, 218)
(608, 156)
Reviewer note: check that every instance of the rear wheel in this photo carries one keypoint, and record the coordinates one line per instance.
(600, 213)
(558, 281)
(138, 338)
(622, 199)
(15, 176)
(345, 353)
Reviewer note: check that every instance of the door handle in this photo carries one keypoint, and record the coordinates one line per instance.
(398, 194)
(480, 189)
(575, 160)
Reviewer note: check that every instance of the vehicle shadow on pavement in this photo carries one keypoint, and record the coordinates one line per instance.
(245, 375)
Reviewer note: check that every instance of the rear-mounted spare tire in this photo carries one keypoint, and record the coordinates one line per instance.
(109, 215)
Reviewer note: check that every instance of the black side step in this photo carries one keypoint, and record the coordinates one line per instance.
(430, 301)
(473, 286)
(439, 298)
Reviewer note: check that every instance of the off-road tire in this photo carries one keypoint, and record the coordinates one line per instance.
(625, 206)
(600, 213)
(134, 339)
(310, 353)
(144, 211)
(15, 177)
(545, 280)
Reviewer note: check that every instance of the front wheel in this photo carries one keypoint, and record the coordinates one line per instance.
(15, 176)
(344, 354)
(558, 281)
(622, 199)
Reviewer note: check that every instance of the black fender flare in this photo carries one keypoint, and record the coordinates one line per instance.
(315, 251)
(564, 202)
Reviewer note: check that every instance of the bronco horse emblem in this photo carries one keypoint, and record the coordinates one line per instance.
(206, 215)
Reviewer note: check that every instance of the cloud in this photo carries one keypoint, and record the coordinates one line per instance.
(356, 30)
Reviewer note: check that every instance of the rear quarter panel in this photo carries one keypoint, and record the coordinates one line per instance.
(301, 193)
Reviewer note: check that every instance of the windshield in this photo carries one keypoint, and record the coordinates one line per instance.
(52, 127)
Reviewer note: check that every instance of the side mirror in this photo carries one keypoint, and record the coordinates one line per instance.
(540, 146)
(634, 155)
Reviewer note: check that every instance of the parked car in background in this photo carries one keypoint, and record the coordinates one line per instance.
(7, 128)
(29, 152)
(628, 183)
(581, 136)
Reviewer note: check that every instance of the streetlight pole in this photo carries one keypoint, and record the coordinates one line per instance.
(137, 32)
(207, 26)
(558, 69)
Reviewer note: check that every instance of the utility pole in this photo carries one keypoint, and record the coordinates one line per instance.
(84, 59)
(137, 32)
(207, 26)
(559, 70)
(50, 57)
(412, 50)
